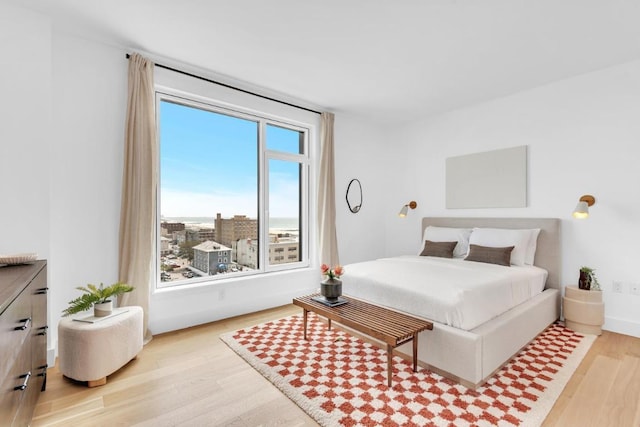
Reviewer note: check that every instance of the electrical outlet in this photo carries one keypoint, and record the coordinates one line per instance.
(634, 288)
(617, 286)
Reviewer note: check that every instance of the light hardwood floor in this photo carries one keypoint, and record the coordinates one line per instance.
(191, 378)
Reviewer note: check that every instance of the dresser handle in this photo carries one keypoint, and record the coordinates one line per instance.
(43, 374)
(23, 386)
(25, 324)
(44, 330)
(41, 291)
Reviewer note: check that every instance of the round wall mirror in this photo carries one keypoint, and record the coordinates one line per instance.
(354, 195)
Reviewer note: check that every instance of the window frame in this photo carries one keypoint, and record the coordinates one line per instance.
(305, 160)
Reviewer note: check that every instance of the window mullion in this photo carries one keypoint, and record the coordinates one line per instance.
(263, 200)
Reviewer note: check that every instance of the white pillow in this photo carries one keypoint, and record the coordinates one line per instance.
(501, 237)
(449, 234)
(529, 258)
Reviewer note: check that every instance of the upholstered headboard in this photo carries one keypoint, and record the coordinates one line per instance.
(547, 252)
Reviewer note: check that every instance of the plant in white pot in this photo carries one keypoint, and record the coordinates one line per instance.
(97, 297)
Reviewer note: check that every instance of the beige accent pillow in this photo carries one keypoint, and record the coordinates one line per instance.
(490, 255)
(439, 249)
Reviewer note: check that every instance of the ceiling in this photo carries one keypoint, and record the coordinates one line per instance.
(388, 60)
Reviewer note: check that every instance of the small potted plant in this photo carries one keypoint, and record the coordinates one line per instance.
(588, 280)
(98, 297)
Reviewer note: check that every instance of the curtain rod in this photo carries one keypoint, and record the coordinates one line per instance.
(232, 87)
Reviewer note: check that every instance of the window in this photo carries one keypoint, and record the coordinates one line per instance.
(233, 191)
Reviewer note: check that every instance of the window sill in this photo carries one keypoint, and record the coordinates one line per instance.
(233, 281)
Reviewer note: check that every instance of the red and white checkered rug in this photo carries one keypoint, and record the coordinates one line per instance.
(341, 380)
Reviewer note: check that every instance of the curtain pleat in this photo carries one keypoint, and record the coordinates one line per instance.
(327, 236)
(139, 180)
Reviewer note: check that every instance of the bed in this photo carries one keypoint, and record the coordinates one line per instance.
(491, 313)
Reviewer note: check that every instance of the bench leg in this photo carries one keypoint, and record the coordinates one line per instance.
(389, 359)
(415, 352)
(305, 315)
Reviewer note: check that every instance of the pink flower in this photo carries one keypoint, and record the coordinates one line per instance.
(338, 270)
(334, 273)
(324, 268)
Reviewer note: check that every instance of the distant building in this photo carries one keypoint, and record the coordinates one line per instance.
(192, 235)
(179, 236)
(164, 245)
(206, 234)
(282, 250)
(169, 227)
(246, 252)
(211, 257)
(199, 234)
(229, 230)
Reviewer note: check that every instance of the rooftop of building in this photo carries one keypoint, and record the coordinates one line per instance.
(211, 246)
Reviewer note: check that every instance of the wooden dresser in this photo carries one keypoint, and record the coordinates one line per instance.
(23, 341)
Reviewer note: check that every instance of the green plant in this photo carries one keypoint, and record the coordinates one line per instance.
(590, 273)
(95, 295)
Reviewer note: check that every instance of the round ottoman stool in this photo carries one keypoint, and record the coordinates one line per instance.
(92, 351)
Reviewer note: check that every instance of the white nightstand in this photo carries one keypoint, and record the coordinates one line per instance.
(583, 310)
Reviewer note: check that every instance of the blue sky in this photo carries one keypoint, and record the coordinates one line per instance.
(209, 165)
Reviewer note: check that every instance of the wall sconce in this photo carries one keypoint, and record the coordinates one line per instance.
(405, 208)
(582, 208)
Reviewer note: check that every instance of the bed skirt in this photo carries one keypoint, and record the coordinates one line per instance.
(472, 357)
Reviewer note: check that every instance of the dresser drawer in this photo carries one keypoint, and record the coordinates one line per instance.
(15, 327)
(11, 392)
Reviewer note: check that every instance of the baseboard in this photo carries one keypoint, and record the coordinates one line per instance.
(622, 326)
(51, 356)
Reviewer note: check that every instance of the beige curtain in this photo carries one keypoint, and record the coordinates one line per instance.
(327, 237)
(139, 180)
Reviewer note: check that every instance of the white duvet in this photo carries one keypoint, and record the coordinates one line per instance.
(459, 293)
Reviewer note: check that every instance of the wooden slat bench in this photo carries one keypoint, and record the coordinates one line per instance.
(385, 325)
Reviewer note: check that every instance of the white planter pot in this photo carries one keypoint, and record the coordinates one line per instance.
(104, 309)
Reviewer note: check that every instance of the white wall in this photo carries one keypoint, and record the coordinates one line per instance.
(25, 137)
(582, 136)
(59, 177)
(89, 95)
(25, 132)
(360, 149)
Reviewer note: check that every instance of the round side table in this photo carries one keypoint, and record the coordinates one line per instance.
(583, 310)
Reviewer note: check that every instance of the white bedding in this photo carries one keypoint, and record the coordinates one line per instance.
(462, 294)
